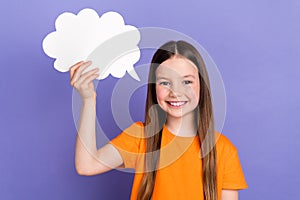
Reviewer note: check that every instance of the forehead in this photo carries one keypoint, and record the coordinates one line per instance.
(176, 67)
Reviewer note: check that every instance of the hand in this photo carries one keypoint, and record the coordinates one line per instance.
(83, 82)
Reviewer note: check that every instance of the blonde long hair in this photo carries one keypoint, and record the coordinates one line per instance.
(155, 118)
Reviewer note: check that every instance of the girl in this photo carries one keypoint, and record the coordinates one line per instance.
(176, 153)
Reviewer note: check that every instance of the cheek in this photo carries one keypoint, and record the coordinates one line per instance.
(194, 92)
(161, 93)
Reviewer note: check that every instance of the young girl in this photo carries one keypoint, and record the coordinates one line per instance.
(176, 153)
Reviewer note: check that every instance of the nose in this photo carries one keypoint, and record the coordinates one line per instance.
(176, 90)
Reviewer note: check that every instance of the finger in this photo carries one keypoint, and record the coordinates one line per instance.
(85, 75)
(78, 72)
(74, 67)
(90, 78)
(93, 71)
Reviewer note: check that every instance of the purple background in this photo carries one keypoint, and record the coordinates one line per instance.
(255, 45)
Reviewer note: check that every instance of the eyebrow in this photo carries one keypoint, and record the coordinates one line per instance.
(185, 76)
(189, 75)
(161, 77)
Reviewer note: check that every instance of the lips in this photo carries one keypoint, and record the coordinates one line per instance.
(176, 103)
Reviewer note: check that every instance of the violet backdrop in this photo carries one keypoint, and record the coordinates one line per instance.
(255, 45)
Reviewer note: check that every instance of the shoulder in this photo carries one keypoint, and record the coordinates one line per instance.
(139, 123)
(136, 126)
(136, 129)
(224, 145)
(130, 137)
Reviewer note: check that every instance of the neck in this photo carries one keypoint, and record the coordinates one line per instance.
(183, 126)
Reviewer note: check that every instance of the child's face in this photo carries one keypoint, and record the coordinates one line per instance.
(177, 87)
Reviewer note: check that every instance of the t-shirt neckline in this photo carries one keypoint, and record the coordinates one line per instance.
(178, 136)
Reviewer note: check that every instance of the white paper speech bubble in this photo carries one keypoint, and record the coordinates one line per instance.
(111, 45)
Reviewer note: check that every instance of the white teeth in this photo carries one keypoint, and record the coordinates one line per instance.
(180, 103)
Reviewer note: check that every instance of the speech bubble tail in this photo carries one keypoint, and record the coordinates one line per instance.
(133, 74)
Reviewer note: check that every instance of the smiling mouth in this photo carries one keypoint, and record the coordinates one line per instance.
(176, 103)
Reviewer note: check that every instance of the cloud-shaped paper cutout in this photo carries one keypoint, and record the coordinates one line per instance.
(111, 45)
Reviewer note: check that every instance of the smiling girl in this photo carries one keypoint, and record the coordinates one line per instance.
(176, 153)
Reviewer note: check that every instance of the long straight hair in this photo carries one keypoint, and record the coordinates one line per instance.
(155, 118)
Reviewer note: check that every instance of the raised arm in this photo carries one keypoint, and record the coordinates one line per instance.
(88, 159)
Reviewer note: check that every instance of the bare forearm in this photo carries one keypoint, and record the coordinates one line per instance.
(86, 137)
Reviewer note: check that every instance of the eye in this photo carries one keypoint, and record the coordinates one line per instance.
(164, 83)
(187, 82)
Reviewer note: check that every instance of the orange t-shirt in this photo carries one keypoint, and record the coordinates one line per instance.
(179, 174)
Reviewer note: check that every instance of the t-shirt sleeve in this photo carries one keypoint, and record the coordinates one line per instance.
(128, 144)
(233, 176)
